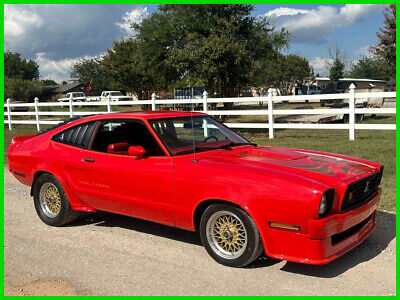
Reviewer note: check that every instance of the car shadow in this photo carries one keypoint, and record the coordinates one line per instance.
(378, 241)
(106, 219)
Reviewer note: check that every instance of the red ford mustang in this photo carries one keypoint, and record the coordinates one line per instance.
(187, 170)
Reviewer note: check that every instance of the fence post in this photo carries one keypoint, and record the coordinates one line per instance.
(37, 113)
(205, 104)
(352, 104)
(109, 103)
(205, 110)
(71, 108)
(270, 113)
(9, 114)
(153, 101)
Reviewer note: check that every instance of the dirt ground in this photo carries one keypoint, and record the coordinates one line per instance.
(107, 254)
(41, 288)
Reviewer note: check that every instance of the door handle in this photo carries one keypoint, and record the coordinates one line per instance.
(89, 159)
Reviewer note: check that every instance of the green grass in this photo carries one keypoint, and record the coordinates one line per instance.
(379, 146)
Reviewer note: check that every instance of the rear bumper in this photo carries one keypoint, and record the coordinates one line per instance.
(326, 239)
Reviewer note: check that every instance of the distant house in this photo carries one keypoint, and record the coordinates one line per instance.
(361, 83)
(51, 91)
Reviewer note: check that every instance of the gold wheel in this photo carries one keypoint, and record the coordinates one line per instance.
(226, 234)
(50, 200)
(229, 233)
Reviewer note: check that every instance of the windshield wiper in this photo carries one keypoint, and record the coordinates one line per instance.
(206, 148)
(233, 144)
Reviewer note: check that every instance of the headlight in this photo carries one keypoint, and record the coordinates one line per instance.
(326, 203)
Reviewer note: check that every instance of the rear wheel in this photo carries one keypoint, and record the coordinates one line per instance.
(230, 235)
(51, 202)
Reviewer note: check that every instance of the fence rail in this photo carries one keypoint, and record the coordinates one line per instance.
(270, 112)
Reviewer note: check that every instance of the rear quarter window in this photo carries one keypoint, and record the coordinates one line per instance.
(78, 136)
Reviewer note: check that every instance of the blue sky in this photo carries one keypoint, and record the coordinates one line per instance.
(56, 35)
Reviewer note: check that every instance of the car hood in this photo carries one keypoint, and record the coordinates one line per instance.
(326, 168)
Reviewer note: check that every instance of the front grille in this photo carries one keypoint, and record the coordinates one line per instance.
(361, 191)
(337, 238)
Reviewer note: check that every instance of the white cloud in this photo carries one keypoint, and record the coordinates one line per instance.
(57, 70)
(285, 11)
(135, 16)
(356, 12)
(312, 25)
(55, 34)
(320, 65)
(62, 30)
(18, 21)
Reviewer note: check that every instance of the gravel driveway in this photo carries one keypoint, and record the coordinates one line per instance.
(107, 254)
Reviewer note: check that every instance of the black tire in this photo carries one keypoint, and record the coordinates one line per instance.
(322, 103)
(65, 215)
(254, 246)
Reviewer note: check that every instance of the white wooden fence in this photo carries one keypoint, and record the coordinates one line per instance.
(205, 101)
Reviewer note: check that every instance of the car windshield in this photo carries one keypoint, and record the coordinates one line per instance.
(185, 135)
(78, 95)
(116, 94)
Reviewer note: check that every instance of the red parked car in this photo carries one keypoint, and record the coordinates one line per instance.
(187, 170)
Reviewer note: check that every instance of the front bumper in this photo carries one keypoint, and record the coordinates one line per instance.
(326, 239)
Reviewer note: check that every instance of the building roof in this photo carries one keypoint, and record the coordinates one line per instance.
(61, 88)
(351, 79)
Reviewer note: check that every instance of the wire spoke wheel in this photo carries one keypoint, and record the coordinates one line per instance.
(50, 200)
(226, 234)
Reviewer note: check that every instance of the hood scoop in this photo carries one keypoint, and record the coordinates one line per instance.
(276, 153)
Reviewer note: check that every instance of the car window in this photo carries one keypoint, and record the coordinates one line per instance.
(78, 136)
(182, 135)
(116, 136)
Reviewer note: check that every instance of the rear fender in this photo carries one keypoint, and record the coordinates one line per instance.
(75, 203)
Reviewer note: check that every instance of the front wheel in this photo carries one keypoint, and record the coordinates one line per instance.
(230, 235)
(51, 202)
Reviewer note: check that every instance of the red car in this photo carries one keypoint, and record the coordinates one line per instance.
(186, 170)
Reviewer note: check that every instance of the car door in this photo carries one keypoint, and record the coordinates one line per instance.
(120, 183)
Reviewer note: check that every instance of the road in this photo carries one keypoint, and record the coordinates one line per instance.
(107, 254)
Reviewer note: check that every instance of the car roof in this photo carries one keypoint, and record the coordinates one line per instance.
(149, 114)
(139, 115)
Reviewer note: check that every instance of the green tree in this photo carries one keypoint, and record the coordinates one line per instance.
(91, 69)
(336, 71)
(17, 67)
(48, 82)
(284, 72)
(336, 63)
(219, 45)
(126, 65)
(385, 50)
(22, 89)
(367, 67)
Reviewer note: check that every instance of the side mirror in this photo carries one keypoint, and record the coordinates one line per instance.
(137, 151)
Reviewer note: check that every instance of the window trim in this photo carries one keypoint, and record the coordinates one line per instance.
(166, 147)
(71, 127)
(103, 121)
